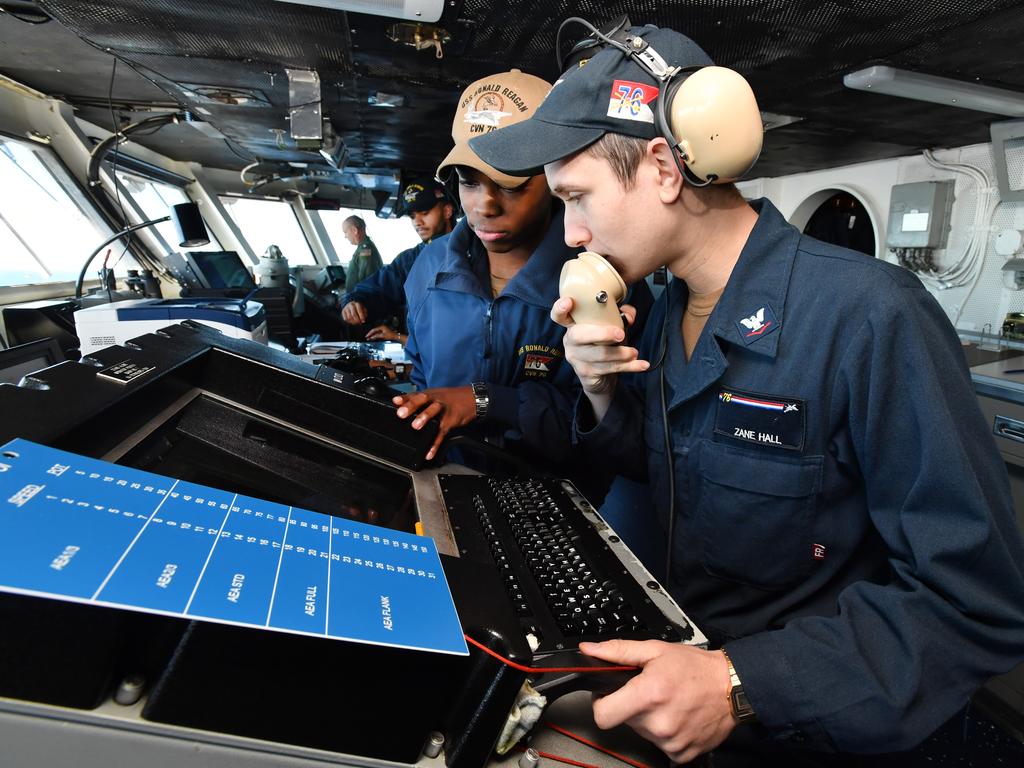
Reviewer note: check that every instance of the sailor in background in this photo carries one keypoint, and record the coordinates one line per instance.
(840, 519)
(365, 258)
(380, 299)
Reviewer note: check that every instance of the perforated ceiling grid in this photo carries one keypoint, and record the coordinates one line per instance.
(234, 30)
(794, 52)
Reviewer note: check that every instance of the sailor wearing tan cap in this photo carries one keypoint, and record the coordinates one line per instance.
(484, 349)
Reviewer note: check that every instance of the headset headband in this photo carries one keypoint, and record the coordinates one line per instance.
(640, 51)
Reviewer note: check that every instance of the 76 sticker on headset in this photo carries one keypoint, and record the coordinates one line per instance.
(632, 101)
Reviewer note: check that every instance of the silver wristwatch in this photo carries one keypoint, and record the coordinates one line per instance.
(482, 398)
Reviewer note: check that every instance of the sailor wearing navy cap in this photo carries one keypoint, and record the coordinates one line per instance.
(380, 299)
(838, 517)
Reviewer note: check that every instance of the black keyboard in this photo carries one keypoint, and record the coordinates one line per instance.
(567, 574)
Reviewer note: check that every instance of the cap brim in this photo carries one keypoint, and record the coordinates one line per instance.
(421, 208)
(461, 154)
(528, 146)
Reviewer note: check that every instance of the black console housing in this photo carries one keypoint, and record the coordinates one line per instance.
(90, 405)
(189, 401)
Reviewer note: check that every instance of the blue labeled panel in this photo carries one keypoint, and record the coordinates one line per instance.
(80, 529)
(239, 580)
(394, 577)
(301, 601)
(65, 520)
(162, 567)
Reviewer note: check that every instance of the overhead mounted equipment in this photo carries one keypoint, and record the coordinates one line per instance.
(938, 90)
(413, 10)
(1007, 157)
(420, 36)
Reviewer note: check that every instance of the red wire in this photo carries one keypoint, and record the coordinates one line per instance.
(596, 746)
(559, 758)
(543, 670)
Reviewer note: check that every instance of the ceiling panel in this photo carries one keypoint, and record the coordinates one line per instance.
(794, 52)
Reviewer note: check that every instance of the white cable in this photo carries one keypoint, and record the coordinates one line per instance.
(967, 270)
(981, 260)
(961, 271)
(243, 172)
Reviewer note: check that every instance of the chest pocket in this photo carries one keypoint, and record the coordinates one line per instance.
(755, 515)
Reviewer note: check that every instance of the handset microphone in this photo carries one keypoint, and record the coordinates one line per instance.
(595, 288)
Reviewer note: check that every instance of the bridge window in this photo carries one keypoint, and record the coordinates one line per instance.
(391, 236)
(47, 227)
(270, 222)
(146, 199)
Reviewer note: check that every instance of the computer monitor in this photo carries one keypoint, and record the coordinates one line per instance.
(35, 320)
(18, 362)
(222, 269)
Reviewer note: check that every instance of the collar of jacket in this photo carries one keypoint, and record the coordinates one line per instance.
(760, 278)
(465, 267)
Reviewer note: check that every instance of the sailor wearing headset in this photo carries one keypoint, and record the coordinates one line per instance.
(838, 516)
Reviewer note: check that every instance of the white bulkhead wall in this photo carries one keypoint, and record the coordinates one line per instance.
(989, 301)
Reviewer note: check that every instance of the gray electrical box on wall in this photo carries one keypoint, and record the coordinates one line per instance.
(919, 214)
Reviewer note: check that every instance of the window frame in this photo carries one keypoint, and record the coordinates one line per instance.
(222, 196)
(54, 165)
(163, 247)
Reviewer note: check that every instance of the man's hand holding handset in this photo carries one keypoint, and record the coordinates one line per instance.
(589, 291)
(680, 700)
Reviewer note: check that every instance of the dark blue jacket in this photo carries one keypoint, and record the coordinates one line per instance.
(383, 292)
(843, 520)
(459, 334)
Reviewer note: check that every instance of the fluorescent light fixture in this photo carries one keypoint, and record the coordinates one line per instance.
(412, 10)
(938, 90)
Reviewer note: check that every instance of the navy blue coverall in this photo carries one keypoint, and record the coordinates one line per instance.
(459, 333)
(843, 519)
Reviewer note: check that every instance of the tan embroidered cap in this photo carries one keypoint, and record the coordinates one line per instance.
(491, 103)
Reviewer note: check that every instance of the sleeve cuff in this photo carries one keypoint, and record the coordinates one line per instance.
(774, 690)
(585, 432)
(353, 296)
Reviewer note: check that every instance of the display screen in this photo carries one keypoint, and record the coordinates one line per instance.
(213, 443)
(13, 374)
(222, 269)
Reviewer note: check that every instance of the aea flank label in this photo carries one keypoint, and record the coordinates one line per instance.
(79, 529)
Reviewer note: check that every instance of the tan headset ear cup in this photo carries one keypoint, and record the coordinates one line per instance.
(715, 111)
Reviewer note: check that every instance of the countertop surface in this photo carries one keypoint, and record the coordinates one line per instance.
(1001, 378)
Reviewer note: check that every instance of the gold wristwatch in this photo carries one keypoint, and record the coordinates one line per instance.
(738, 701)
